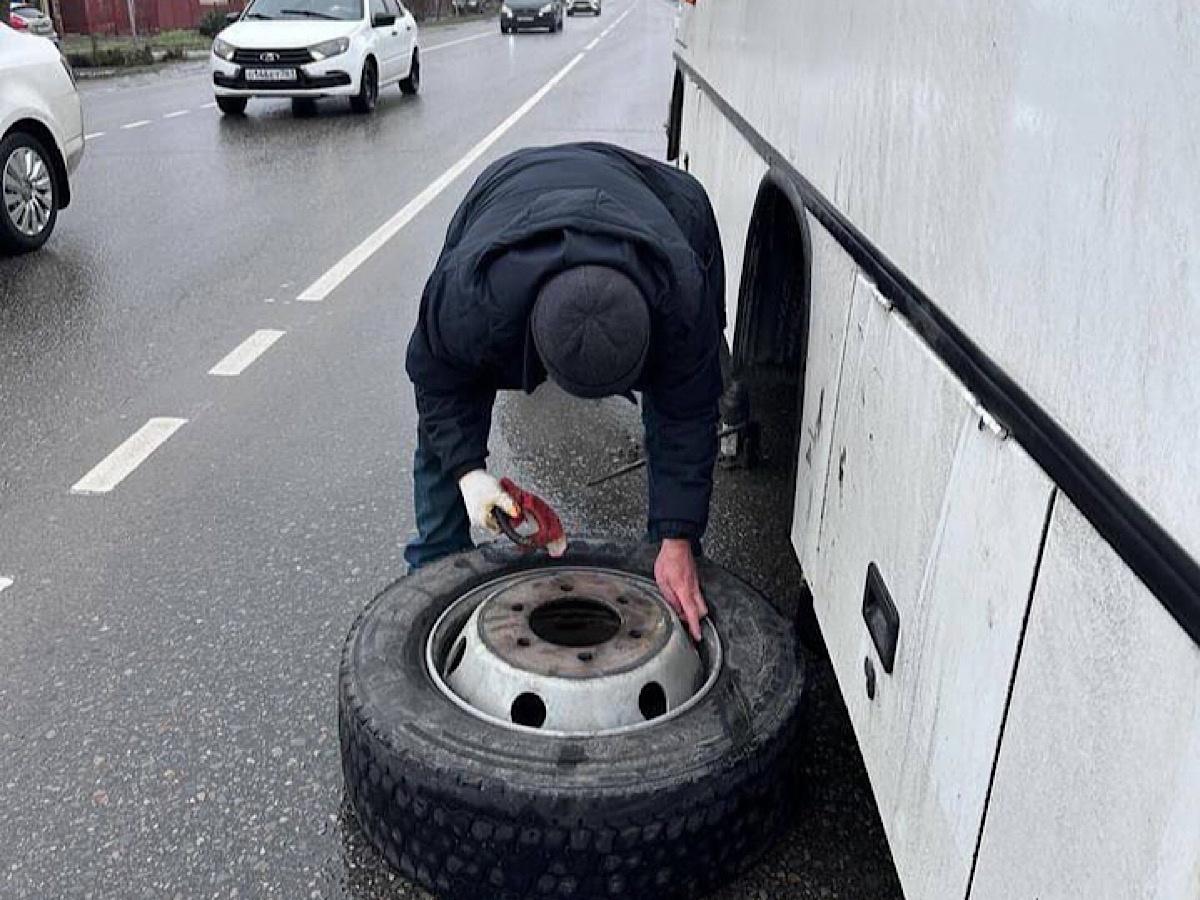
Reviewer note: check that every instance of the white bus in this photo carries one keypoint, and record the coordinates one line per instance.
(970, 232)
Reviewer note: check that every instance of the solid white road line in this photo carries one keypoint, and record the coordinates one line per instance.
(93, 135)
(5, 582)
(474, 37)
(137, 124)
(177, 114)
(594, 42)
(323, 286)
(240, 358)
(115, 467)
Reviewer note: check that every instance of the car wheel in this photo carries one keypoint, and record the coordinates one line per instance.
(29, 193)
(412, 83)
(473, 803)
(232, 106)
(368, 90)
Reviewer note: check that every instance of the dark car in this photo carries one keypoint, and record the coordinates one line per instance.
(518, 14)
(587, 6)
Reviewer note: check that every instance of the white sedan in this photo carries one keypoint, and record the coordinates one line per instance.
(306, 49)
(41, 139)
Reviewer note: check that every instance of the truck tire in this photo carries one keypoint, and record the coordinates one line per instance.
(471, 809)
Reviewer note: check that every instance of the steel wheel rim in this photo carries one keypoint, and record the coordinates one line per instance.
(27, 191)
(442, 639)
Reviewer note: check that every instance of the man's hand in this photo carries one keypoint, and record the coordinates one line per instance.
(482, 493)
(675, 572)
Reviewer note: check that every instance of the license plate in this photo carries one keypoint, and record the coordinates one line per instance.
(270, 74)
(525, 18)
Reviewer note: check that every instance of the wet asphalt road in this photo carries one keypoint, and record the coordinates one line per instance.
(170, 648)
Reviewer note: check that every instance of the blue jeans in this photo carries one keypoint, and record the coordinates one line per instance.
(442, 524)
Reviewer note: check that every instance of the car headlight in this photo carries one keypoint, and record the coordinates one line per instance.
(326, 49)
(222, 50)
(505, 10)
(546, 10)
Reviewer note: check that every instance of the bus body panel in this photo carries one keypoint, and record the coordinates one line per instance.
(833, 281)
(1097, 790)
(1032, 167)
(951, 515)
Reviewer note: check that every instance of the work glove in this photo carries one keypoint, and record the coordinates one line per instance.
(482, 493)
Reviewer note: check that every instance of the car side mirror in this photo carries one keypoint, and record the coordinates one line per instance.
(382, 20)
(231, 17)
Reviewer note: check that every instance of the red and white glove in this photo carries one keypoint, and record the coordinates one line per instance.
(483, 494)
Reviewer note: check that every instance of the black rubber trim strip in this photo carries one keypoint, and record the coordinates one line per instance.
(1166, 569)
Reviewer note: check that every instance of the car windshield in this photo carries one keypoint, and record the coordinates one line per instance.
(27, 12)
(335, 10)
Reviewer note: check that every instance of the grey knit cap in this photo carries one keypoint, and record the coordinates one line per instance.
(591, 327)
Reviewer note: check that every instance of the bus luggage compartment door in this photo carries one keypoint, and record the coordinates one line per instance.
(947, 515)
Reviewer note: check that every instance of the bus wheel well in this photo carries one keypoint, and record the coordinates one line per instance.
(675, 118)
(771, 336)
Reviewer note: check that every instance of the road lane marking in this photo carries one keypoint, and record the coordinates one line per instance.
(474, 37)
(323, 286)
(137, 124)
(177, 114)
(212, 105)
(592, 45)
(240, 358)
(115, 467)
(93, 135)
(5, 582)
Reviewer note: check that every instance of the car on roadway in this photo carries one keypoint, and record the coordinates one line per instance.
(587, 6)
(518, 14)
(41, 139)
(27, 17)
(305, 49)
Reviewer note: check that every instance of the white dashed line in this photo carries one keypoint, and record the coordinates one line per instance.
(5, 582)
(592, 45)
(93, 135)
(474, 37)
(240, 358)
(137, 124)
(177, 114)
(115, 467)
(212, 105)
(323, 286)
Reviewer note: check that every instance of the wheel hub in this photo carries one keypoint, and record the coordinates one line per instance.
(570, 650)
(27, 191)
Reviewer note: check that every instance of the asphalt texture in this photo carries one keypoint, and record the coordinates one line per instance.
(170, 648)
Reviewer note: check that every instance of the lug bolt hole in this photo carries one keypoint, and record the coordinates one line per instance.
(522, 642)
(566, 586)
(586, 657)
(635, 633)
(518, 607)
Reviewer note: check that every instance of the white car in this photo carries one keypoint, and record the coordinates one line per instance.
(41, 139)
(306, 49)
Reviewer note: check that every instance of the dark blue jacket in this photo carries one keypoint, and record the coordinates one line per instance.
(535, 213)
